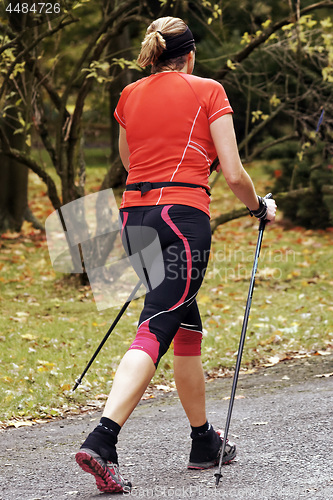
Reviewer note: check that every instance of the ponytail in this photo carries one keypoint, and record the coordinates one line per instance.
(152, 47)
(154, 43)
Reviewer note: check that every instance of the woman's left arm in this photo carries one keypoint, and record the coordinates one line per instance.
(123, 148)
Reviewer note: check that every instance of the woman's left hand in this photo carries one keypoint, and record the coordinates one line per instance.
(271, 210)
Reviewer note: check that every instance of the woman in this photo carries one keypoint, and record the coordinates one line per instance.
(172, 125)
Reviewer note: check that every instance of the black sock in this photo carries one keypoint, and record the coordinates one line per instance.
(103, 440)
(198, 431)
(110, 425)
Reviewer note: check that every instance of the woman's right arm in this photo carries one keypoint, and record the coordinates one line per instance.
(239, 181)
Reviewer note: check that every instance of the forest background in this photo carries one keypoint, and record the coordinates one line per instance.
(62, 68)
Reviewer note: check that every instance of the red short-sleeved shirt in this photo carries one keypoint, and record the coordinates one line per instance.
(167, 117)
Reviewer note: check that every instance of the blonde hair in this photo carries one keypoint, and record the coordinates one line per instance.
(154, 43)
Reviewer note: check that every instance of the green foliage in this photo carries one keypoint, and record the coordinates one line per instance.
(99, 71)
(124, 63)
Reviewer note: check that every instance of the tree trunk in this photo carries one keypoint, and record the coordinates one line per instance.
(13, 179)
(15, 126)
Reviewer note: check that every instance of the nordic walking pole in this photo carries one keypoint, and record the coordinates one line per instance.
(78, 381)
(262, 225)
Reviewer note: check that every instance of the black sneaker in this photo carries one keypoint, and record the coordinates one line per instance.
(206, 450)
(107, 476)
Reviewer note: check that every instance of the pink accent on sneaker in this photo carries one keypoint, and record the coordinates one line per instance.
(103, 476)
(221, 434)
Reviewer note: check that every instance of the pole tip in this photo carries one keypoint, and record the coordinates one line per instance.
(218, 476)
(77, 383)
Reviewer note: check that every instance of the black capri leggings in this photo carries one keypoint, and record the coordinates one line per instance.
(170, 309)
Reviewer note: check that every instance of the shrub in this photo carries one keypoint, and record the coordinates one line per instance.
(310, 168)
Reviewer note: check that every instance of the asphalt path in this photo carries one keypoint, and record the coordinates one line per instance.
(281, 424)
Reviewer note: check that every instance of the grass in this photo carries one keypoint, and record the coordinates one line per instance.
(50, 325)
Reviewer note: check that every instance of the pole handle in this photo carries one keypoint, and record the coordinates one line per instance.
(264, 221)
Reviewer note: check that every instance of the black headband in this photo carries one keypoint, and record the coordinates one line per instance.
(177, 45)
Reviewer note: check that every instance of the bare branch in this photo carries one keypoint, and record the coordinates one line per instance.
(97, 45)
(40, 123)
(268, 145)
(12, 43)
(108, 22)
(248, 138)
(242, 212)
(260, 127)
(88, 82)
(45, 82)
(28, 49)
(201, 19)
(228, 216)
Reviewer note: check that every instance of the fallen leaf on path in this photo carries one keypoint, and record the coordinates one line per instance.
(20, 424)
(236, 397)
(273, 360)
(326, 375)
(249, 371)
(164, 388)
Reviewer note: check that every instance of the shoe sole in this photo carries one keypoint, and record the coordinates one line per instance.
(210, 465)
(104, 481)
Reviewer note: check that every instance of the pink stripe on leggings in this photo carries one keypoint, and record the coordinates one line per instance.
(124, 224)
(166, 217)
